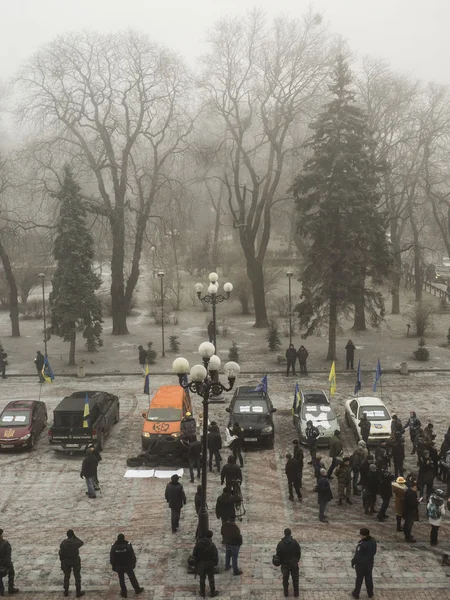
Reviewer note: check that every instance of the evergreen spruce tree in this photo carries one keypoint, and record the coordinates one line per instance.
(339, 214)
(273, 336)
(233, 352)
(174, 343)
(73, 302)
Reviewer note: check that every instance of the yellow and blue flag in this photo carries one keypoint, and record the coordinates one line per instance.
(86, 412)
(332, 379)
(296, 398)
(147, 381)
(262, 385)
(47, 372)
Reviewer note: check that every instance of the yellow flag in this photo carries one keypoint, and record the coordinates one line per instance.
(332, 380)
(86, 413)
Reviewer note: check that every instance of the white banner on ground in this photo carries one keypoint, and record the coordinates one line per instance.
(141, 473)
(168, 474)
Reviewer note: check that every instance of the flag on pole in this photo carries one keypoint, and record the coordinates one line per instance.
(296, 398)
(86, 412)
(358, 378)
(332, 379)
(47, 372)
(378, 374)
(262, 385)
(147, 381)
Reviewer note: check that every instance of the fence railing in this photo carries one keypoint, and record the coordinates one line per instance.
(427, 286)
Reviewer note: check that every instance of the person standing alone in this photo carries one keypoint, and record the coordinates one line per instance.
(176, 499)
(207, 558)
(39, 362)
(6, 566)
(89, 472)
(291, 357)
(350, 354)
(123, 562)
(143, 357)
(289, 553)
(363, 561)
(69, 555)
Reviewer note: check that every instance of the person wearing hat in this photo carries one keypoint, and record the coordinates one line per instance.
(194, 457)
(207, 558)
(344, 477)
(336, 449)
(143, 359)
(324, 494)
(385, 491)
(398, 489)
(236, 444)
(123, 562)
(364, 427)
(230, 472)
(302, 355)
(396, 425)
(289, 552)
(356, 460)
(349, 354)
(398, 453)
(69, 555)
(6, 566)
(39, 362)
(362, 562)
(176, 498)
(435, 510)
(311, 435)
(293, 471)
(233, 541)
(214, 445)
(188, 428)
(411, 511)
(414, 425)
(370, 490)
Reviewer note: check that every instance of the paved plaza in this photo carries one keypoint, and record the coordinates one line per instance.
(42, 495)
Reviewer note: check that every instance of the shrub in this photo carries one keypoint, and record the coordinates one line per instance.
(151, 354)
(233, 352)
(33, 310)
(157, 317)
(174, 343)
(106, 301)
(421, 314)
(273, 336)
(422, 352)
(281, 304)
(223, 327)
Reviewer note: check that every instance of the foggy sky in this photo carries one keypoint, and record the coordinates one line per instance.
(411, 34)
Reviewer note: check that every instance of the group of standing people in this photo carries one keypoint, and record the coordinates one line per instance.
(292, 355)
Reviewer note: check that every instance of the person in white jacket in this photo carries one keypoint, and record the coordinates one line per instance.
(435, 510)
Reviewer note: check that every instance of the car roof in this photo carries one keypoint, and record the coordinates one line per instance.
(20, 405)
(370, 401)
(75, 402)
(168, 396)
(315, 391)
(248, 391)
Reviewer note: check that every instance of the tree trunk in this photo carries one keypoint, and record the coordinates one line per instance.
(73, 339)
(359, 323)
(256, 276)
(118, 301)
(417, 272)
(332, 326)
(245, 304)
(215, 244)
(396, 281)
(13, 294)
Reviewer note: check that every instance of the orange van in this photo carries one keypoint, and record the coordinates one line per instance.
(163, 417)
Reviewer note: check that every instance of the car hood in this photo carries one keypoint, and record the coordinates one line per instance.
(161, 427)
(8, 433)
(325, 427)
(255, 421)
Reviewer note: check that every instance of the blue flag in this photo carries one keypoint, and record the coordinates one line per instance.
(147, 381)
(296, 394)
(47, 372)
(358, 378)
(86, 413)
(262, 385)
(378, 374)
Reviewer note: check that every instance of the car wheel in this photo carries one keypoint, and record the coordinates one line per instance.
(116, 416)
(31, 442)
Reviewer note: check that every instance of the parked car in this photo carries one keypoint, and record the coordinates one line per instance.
(377, 413)
(163, 418)
(21, 421)
(313, 405)
(253, 411)
(67, 432)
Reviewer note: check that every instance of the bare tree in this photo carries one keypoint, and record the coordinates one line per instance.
(117, 104)
(258, 80)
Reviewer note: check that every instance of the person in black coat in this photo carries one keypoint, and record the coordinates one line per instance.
(176, 499)
(3, 363)
(426, 475)
(364, 426)
(398, 453)
(410, 511)
(207, 558)
(414, 425)
(289, 552)
(324, 494)
(89, 472)
(230, 472)
(350, 354)
(311, 435)
(39, 362)
(362, 562)
(233, 541)
(123, 562)
(385, 480)
(299, 455)
(226, 505)
(194, 455)
(236, 445)
(291, 357)
(143, 358)
(396, 425)
(214, 445)
(370, 490)
(293, 470)
(96, 452)
(6, 564)
(69, 555)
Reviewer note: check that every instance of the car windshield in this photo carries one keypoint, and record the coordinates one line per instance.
(164, 414)
(15, 418)
(315, 398)
(374, 413)
(249, 406)
(317, 412)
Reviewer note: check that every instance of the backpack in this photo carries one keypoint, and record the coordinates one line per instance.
(433, 511)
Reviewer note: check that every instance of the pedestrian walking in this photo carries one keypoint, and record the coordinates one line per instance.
(324, 495)
(39, 362)
(344, 477)
(311, 435)
(435, 511)
(69, 555)
(143, 359)
(398, 489)
(302, 355)
(89, 472)
(364, 427)
(318, 466)
(289, 552)
(293, 470)
(299, 456)
(188, 428)
(356, 460)
(414, 425)
(214, 445)
(194, 456)
(123, 562)
(362, 562)
(350, 354)
(385, 491)
(232, 538)
(291, 357)
(6, 566)
(370, 490)
(410, 511)
(230, 473)
(336, 450)
(226, 505)
(96, 452)
(206, 558)
(176, 498)
(398, 453)
(237, 443)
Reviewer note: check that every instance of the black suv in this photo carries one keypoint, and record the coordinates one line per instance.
(253, 411)
(67, 432)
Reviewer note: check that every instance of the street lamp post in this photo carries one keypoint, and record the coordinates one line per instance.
(213, 298)
(204, 382)
(161, 277)
(42, 276)
(289, 274)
